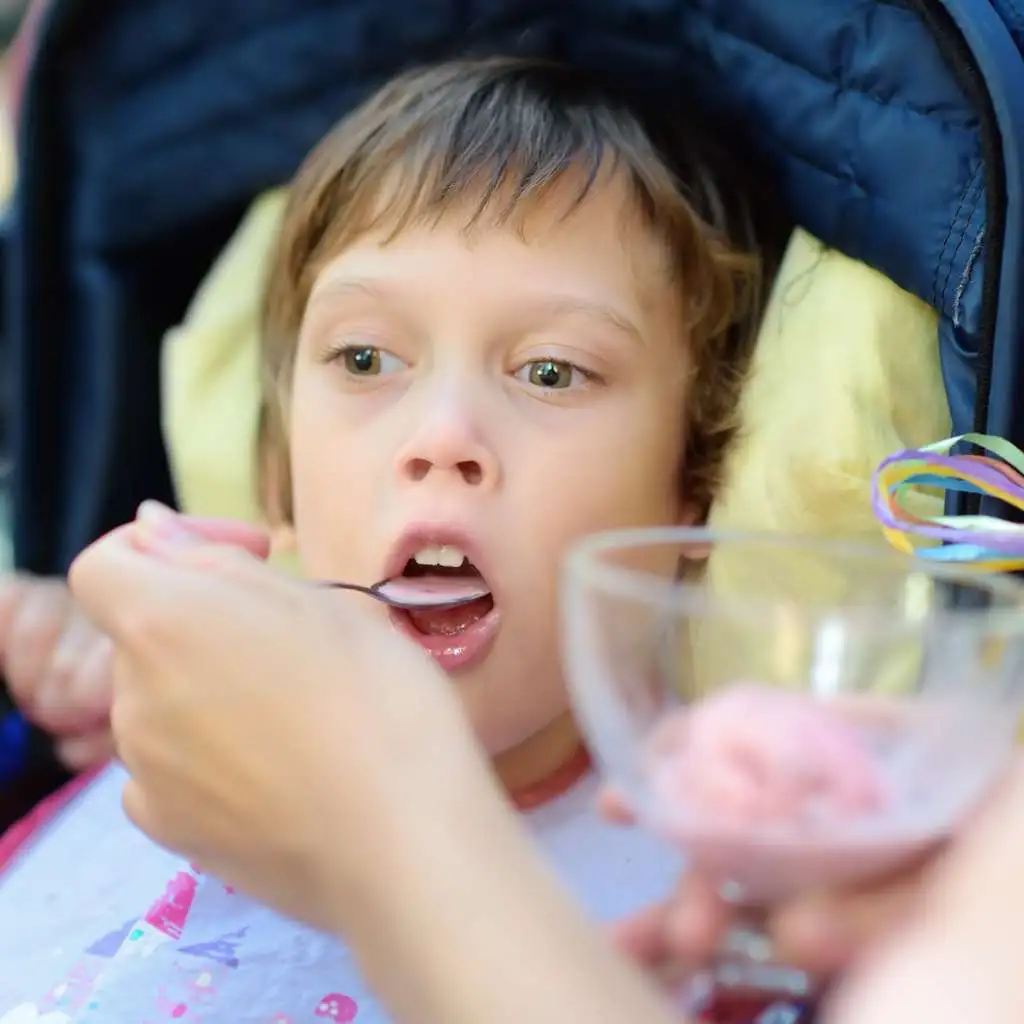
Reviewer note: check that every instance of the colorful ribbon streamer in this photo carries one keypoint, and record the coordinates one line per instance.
(983, 542)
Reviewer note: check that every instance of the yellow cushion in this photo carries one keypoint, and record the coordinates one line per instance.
(846, 372)
(210, 375)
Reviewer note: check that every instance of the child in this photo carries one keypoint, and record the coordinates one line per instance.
(507, 309)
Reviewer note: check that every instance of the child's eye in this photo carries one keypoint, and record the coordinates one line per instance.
(553, 374)
(368, 360)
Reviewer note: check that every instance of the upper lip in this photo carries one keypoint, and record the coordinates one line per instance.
(433, 535)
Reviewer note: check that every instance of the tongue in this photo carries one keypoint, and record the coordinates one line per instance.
(450, 621)
(433, 591)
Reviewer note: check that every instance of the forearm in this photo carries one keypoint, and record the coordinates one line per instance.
(476, 930)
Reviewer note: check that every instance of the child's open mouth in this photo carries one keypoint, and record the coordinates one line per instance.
(454, 636)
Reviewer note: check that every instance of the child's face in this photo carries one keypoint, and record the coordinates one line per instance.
(506, 392)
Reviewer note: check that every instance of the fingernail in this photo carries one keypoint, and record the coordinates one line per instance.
(163, 536)
(167, 541)
(156, 513)
(156, 525)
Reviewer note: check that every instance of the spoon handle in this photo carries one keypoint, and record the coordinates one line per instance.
(358, 588)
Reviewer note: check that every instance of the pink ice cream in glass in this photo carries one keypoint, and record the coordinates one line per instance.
(774, 789)
(789, 713)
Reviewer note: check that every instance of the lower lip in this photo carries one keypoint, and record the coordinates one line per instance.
(457, 652)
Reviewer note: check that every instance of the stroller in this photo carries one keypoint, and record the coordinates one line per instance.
(894, 130)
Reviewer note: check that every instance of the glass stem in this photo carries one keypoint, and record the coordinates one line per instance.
(745, 982)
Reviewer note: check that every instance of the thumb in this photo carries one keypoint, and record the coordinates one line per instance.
(156, 521)
(228, 561)
(129, 589)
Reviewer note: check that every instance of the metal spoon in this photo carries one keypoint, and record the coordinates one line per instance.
(405, 595)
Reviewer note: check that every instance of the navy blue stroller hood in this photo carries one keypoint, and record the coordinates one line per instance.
(894, 132)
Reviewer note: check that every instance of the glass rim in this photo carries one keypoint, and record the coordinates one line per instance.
(583, 565)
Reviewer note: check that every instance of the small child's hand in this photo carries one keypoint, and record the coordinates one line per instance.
(57, 667)
(825, 932)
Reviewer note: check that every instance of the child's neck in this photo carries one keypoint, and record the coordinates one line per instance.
(545, 757)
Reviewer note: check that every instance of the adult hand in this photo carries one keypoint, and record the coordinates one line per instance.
(274, 732)
(957, 957)
(293, 744)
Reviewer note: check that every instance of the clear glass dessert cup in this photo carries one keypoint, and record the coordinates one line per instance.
(789, 713)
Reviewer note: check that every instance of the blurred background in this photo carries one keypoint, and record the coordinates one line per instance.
(11, 13)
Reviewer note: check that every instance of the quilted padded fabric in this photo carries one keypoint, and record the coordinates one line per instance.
(180, 108)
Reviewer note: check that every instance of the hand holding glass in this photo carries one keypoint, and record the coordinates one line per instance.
(790, 713)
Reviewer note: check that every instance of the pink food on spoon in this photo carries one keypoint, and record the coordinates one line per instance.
(432, 591)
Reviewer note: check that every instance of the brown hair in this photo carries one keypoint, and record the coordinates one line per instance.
(489, 136)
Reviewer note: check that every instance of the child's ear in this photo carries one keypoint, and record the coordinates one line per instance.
(273, 481)
(283, 540)
(690, 515)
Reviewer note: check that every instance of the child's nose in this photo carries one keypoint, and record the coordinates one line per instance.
(449, 440)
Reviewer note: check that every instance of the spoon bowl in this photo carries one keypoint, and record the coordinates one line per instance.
(412, 594)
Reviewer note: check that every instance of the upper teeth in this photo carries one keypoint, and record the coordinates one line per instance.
(447, 556)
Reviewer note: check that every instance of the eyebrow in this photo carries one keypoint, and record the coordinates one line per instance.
(344, 287)
(552, 307)
(566, 306)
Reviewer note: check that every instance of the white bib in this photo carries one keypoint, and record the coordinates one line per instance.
(100, 926)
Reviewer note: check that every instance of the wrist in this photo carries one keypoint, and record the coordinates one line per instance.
(372, 841)
(468, 924)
